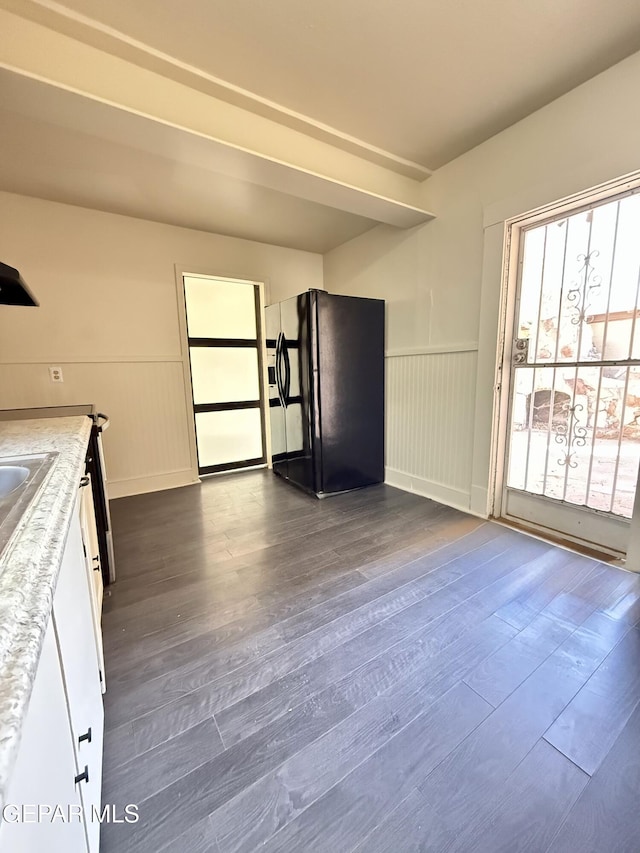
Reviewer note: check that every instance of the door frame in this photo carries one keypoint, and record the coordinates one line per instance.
(193, 270)
(511, 261)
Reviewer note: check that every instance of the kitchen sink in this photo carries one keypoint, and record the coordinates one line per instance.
(21, 478)
(11, 478)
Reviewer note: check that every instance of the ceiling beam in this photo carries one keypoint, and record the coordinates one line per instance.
(232, 139)
(88, 31)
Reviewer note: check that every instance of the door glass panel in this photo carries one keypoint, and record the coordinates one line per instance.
(575, 415)
(220, 309)
(567, 441)
(229, 436)
(224, 374)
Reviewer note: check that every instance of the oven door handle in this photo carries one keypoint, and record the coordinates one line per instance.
(105, 421)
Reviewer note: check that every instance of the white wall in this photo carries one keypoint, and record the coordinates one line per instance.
(109, 316)
(442, 279)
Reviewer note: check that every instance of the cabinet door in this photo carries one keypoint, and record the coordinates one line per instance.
(45, 768)
(73, 623)
(94, 568)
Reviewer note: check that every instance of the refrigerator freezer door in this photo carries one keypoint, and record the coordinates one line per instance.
(351, 390)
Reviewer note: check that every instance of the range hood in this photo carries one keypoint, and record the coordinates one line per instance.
(13, 288)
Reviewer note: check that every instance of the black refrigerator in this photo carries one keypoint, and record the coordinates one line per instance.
(325, 356)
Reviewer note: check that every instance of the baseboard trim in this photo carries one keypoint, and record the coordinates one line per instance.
(455, 498)
(479, 501)
(151, 483)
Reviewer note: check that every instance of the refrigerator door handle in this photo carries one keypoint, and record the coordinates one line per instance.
(287, 365)
(279, 382)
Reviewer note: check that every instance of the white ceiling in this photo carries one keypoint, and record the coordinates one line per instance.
(407, 86)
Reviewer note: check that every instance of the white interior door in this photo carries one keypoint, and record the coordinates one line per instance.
(225, 356)
(573, 442)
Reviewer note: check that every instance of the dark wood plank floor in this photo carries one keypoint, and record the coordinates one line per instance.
(373, 672)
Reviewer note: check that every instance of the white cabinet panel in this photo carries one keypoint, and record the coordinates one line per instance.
(45, 768)
(74, 628)
(94, 569)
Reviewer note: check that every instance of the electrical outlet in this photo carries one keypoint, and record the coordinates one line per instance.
(55, 374)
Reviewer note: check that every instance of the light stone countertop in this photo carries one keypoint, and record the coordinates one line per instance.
(30, 566)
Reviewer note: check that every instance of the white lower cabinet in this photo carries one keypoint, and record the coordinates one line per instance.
(94, 568)
(45, 769)
(74, 626)
(59, 761)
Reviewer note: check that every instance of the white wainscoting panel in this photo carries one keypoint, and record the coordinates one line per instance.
(147, 444)
(429, 423)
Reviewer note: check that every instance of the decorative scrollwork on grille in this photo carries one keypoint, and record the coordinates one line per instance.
(572, 434)
(581, 290)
